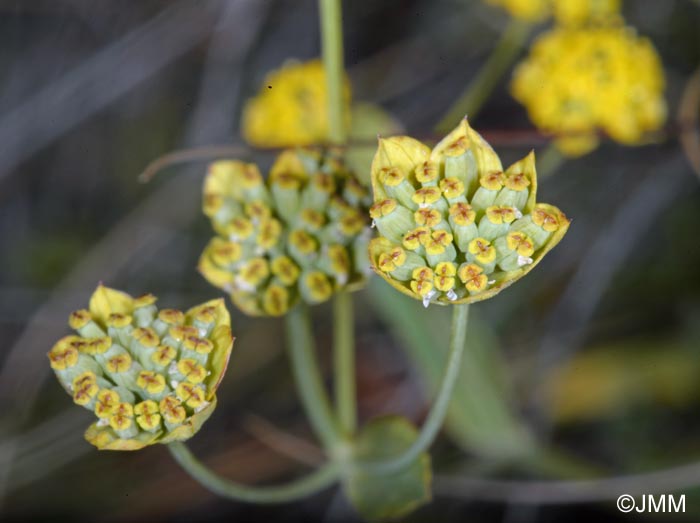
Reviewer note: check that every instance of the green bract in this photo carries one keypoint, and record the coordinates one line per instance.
(453, 226)
(299, 235)
(149, 376)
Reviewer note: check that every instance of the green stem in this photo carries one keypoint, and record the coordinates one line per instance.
(344, 361)
(300, 343)
(501, 58)
(436, 416)
(548, 161)
(318, 480)
(332, 45)
(343, 343)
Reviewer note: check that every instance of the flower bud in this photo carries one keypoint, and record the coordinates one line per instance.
(126, 378)
(476, 228)
(305, 243)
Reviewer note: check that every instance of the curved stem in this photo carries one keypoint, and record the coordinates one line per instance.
(332, 45)
(300, 343)
(549, 160)
(305, 486)
(482, 86)
(437, 413)
(344, 361)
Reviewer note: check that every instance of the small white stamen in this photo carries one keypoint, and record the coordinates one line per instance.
(427, 298)
(244, 285)
(172, 369)
(451, 295)
(374, 224)
(174, 384)
(491, 282)
(202, 333)
(517, 212)
(103, 422)
(203, 406)
(423, 205)
(524, 260)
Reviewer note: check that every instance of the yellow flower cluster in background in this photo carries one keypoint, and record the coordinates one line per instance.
(578, 80)
(568, 12)
(291, 107)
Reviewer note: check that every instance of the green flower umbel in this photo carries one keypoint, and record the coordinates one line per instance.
(453, 226)
(299, 235)
(149, 375)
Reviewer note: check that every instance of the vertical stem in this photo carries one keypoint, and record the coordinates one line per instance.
(549, 160)
(307, 375)
(344, 361)
(482, 86)
(332, 45)
(436, 416)
(343, 336)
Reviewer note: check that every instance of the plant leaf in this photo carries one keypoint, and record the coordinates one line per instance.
(381, 497)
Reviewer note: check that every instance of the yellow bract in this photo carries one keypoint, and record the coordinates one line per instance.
(576, 81)
(291, 107)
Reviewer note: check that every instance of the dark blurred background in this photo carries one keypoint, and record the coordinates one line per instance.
(586, 369)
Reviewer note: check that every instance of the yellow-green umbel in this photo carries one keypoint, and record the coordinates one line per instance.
(302, 234)
(149, 375)
(454, 227)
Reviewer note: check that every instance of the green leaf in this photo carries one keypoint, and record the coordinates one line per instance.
(481, 417)
(380, 497)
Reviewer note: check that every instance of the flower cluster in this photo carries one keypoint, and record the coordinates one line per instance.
(149, 375)
(568, 12)
(453, 226)
(291, 107)
(576, 81)
(299, 235)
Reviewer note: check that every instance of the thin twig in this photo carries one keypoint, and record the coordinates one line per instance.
(283, 442)
(510, 137)
(207, 152)
(560, 492)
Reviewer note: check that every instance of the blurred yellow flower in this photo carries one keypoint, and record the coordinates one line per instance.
(577, 12)
(530, 10)
(291, 107)
(578, 80)
(569, 12)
